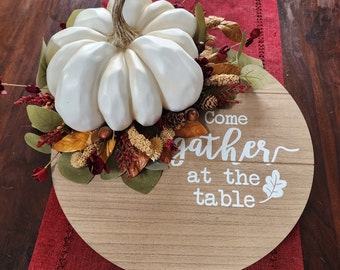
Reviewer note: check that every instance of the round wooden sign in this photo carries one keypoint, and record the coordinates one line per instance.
(229, 198)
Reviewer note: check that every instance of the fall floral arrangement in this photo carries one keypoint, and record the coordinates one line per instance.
(118, 84)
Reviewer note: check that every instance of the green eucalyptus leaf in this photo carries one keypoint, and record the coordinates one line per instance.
(144, 182)
(43, 119)
(41, 75)
(244, 59)
(201, 29)
(157, 166)
(257, 77)
(80, 175)
(113, 166)
(44, 89)
(32, 139)
(73, 16)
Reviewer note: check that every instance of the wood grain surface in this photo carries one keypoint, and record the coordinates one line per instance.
(22, 200)
(311, 53)
(199, 217)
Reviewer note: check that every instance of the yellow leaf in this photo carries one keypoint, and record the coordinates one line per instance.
(191, 130)
(108, 149)
(76, 141)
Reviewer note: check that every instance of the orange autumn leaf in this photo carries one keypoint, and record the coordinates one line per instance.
(108, 149)
(138, 164)
(76, 141)
(191, 130)
(225, 68)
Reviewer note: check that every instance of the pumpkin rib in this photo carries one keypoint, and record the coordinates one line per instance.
(98, 19)
(60, 60)
(75, 101)
(182, 38)
(178, 74)
(114, 98)
(174, 18)
(144, 89)
(152, 11)
(69, 35)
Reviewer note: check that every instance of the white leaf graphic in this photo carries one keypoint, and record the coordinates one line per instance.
(274, 186)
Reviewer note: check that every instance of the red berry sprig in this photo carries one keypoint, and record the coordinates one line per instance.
(42, 99)
(30, 88)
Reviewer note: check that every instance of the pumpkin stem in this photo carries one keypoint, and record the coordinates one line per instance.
(123, 34)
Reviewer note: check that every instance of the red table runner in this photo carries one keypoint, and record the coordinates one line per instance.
(58, 245)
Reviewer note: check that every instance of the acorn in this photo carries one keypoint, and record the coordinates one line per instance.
(105, 133)
(191, 114)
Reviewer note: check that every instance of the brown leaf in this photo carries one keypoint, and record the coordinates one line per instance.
(225, 68)
(108, 149)
(191, 130)
(231, 30)
(166, 156)
(138, 165)
(76, 141)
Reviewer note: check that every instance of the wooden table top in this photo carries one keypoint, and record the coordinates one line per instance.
(311, 53)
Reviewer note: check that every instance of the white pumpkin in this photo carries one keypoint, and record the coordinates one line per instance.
(108, 69)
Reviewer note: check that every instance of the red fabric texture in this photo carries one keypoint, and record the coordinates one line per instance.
(58, 245)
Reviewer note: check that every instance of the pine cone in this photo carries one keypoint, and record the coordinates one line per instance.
(175, 120)
(207, 102)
